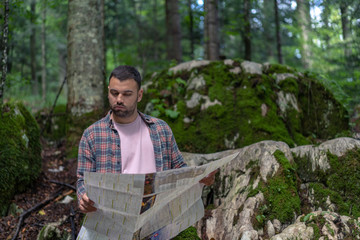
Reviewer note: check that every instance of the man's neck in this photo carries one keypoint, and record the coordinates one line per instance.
(122, 120)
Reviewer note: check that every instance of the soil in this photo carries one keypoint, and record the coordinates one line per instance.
(53, 157)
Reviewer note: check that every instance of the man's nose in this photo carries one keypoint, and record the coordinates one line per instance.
(119, 98)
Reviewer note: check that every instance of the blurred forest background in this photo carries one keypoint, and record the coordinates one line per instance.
(319, 36)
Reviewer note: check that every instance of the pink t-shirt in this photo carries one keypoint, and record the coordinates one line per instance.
(137, 151)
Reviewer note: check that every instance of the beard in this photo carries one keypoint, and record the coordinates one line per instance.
(123, 113)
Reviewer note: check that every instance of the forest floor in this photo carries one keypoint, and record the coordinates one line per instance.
(55, 167)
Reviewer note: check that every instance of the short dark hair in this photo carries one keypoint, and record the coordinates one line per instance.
(125, 72)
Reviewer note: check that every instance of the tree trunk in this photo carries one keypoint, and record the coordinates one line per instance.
(212, 30)
(4, 45)
(303, 19)
(325, 16)
(247, 30)
(345, 29)
(43, 52)
(191, 29)
(34, 80)
(173, 30)
(278, 35)
(140, 43)
(268, 33)
(85, 56)
(156, 36)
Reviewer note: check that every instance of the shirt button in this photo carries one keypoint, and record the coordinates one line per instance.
(118, 145)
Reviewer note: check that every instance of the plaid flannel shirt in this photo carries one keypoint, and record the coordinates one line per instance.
(99, 148)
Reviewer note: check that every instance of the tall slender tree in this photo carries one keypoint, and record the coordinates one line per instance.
(85, 57)
(247, 29)
(211, 30)
(191, 28)
(344, 11)
(4, 45)
(173, 30)
(303, 19)
(43, 51)
(268, 29)
(278, 34)
(34, 80)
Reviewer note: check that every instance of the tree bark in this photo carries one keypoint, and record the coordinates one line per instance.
(345, 29)
(212, 44)
(34, 80)
(268, 33)
(43, 52)
(247, 30)
(4, 44)
(278, 35)
(191, 28)
(173, 30)
(303, 18)
(156, 36)
(85, 56)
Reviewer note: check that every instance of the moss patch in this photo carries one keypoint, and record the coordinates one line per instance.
(188, 234)
(75, 128)
(247, 111)
(280, 192)
(20, 152)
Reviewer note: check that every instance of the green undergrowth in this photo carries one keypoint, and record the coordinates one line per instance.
(20, 152)
(54, 126)
(282, 201)
(75, 128)
(188, 234)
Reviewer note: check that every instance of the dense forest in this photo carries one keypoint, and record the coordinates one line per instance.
(321, 37)
(279, 70)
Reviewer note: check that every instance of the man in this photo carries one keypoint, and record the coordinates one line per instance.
(126, 140)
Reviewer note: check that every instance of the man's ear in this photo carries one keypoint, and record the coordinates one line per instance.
(140, 94)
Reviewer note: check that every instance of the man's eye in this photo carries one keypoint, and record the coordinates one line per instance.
(114, 93)
(127, 94)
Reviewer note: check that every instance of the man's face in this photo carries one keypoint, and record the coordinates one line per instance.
(123, 98)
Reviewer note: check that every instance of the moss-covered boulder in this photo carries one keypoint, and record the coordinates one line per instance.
(264, 193)
(20, 152)
(212, 106)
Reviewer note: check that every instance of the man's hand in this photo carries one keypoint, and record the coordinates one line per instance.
(209, 179)
(86, 205)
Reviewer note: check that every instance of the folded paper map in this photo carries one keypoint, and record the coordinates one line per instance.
(133, 206)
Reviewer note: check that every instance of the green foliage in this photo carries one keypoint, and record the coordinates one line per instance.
(188, 234)
(20, 151)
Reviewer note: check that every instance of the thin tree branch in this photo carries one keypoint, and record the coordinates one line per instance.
(34, 208)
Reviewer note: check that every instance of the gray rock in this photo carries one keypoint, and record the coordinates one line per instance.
(270, 228)
(196, 83)
(188, 66)
(250, 235)
(252, 67)
(229, 62)
(279, 77)
(235, 70)
(295, 231)
(277, 225)
(194, 100)
(286, 101)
